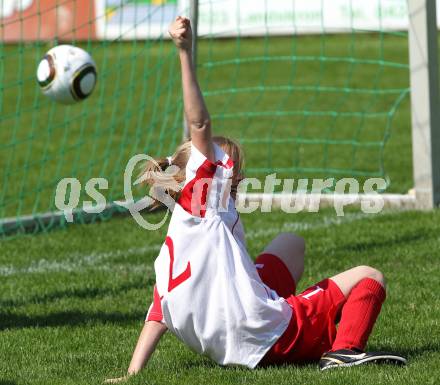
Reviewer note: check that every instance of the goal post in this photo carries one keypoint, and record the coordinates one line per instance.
(425, 101)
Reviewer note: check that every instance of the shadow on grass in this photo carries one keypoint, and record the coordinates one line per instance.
(200, 362)
(68, 318)
(410, 352)
(386, 243)
(7, 382)
(81, 293)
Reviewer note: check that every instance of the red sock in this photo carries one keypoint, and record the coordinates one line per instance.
(359, 315)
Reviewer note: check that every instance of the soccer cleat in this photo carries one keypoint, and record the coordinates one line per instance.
(344, 358)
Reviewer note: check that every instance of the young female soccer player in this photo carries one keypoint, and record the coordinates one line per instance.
(209, 293)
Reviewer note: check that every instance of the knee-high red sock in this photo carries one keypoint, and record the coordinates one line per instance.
(359, 315)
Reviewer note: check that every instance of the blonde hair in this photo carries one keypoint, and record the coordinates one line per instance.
(168, 173)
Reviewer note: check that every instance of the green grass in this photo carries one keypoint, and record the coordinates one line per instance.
(303, 106)
(72, 301)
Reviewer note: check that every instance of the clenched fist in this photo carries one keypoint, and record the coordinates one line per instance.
(181, 33)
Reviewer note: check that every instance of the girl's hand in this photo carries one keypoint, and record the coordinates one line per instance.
(181, 33)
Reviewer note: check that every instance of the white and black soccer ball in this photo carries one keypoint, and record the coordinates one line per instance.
(67, 74)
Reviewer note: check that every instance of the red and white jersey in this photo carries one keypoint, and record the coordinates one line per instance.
(208, 291)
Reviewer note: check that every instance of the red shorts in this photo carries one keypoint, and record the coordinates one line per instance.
(312, 328)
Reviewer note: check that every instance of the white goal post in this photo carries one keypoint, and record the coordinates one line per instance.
(425, 107)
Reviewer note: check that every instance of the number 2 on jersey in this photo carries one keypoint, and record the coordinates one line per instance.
(174, 282)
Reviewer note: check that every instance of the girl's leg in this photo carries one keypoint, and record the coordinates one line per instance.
(348, 279)
(281, 264)
(290, 248)
(364, 289)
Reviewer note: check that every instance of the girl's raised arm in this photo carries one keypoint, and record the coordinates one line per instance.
(196, 113)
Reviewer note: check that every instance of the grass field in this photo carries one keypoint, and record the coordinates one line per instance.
(72, 301)
(304, 106)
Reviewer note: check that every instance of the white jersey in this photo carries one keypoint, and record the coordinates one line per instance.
(208, 291)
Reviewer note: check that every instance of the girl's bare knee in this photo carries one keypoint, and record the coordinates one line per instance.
(290, 249)
(294, 241)
(287, 245)
(295, 255)
(371, 272)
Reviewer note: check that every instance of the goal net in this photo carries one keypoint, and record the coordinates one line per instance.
(312, 89)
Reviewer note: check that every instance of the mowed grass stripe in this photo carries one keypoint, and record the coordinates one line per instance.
(102, 260)
(79, 327)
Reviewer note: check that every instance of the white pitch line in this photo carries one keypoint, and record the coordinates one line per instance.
(76, 262)
(304, 226)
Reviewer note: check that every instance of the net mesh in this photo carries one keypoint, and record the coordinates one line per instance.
(312, 105)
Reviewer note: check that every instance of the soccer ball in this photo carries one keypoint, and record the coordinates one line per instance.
(67, 74)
